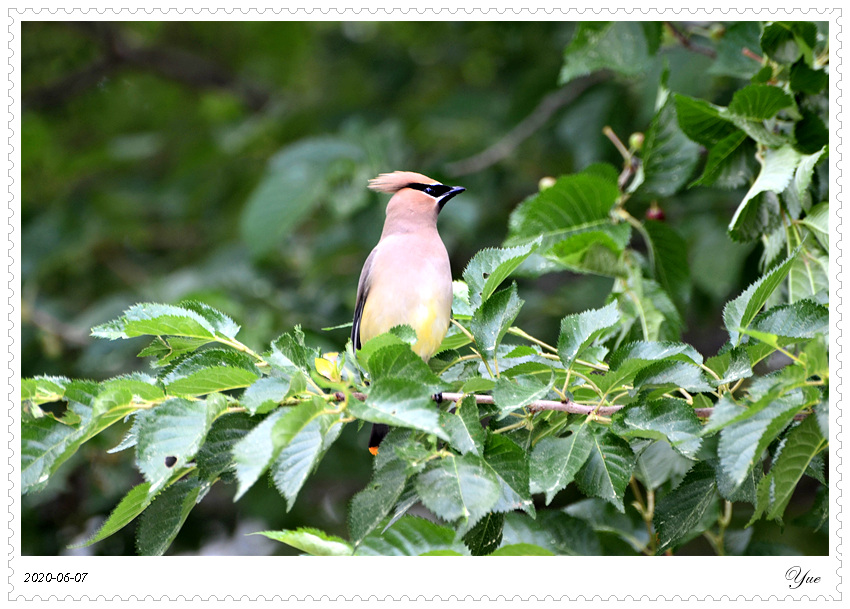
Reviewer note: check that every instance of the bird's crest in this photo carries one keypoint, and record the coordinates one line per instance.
(395, 181)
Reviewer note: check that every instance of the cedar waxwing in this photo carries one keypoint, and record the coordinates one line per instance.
(407, 278)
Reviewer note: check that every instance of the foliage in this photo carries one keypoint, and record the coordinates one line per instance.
(653, 442)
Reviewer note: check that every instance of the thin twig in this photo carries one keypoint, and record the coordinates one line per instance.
(525, 128)
(685, 41)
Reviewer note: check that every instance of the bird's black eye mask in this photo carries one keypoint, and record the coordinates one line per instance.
(441, 192)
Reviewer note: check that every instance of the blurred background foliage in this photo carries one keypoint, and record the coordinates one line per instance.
(227, 163)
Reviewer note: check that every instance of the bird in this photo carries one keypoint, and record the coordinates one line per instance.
(407, 278)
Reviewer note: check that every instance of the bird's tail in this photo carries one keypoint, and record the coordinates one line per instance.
(379, 432)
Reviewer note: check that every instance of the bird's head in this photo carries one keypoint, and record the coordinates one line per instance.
(414, 193)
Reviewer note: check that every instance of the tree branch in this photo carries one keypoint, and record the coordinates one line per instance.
(538, 117)
(685, 41)
(174, 64)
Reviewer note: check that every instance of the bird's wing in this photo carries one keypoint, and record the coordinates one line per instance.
(362, 294)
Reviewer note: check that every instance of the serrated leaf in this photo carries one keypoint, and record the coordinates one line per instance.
(301, 437)
(211, 370)
(669, 419)
(510, 465)
(464, 427)
(485, 537)
(521, 549)
(133, 504)
(493, 318)
(817, 221)
(43, 389)
(674, 374)
(410, 536)
(371, 505)
(607, 471)
(777, 169)
(215, 457)
(512, 394)
(290, 351)
(804, 442)
(652, 351)
(161, 522)
(157, 320)
(668, 156)
(253, 454)
(604, 517)
(759, 102)
(555, 461)
(808, 275)
(168, 436)
(740, 312)
(671, 254)
(459, 489)
(311, 541)
(401, 362)
(170, 349)
(731, 60)
(594, 251)
(701, 121)
(220, 322)
(728, 163)
(660, 463)
(681, 510)
(574, 204)
(579, 330)
(490, 267)
(785, 41)
(803, 79)
(400, 403)
(802, 319)
(743, 441)
(265, 394)
(621, 47)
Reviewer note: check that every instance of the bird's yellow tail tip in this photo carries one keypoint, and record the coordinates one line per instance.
(373, 450)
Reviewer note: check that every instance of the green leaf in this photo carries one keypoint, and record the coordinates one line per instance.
(803, 79)
(804, 442)
(211, 370)
(786, 42)
(169, 435)
(401, 362)
(759, 102)
(43, 389)
(295, 182)
(157, 320)
(679, 512)
(289, 351)
(728, 163)
(593, 251)
(302, 436)
(701, 121)
(510, 465)
(802, 319)
(808, 275)
(512, 394)
(169, 349)
(215, 457)
(265, 394)
(459, 489)
(490, 267)
(555, 461)
(400, 403)
(670, 252)
(669, 157)
(673, 374)
(410, 536)
(621, 47)
(133, 504)
(311, 541)
(464, 427)
(669, 419)
(731, 366)
(744, 440)
(161, 522)
(485, 537)
(521, 549)
(371, 505)
(777, 170)
(253, 454)
(574, 204)
(608, 469)
(579, 330)
(652, 351)
(221, 323)
(659, 463)
(554, 531)
(817, 221)
(740, 312)
(492, 320)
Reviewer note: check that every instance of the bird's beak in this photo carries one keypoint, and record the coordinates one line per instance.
(456, 190)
